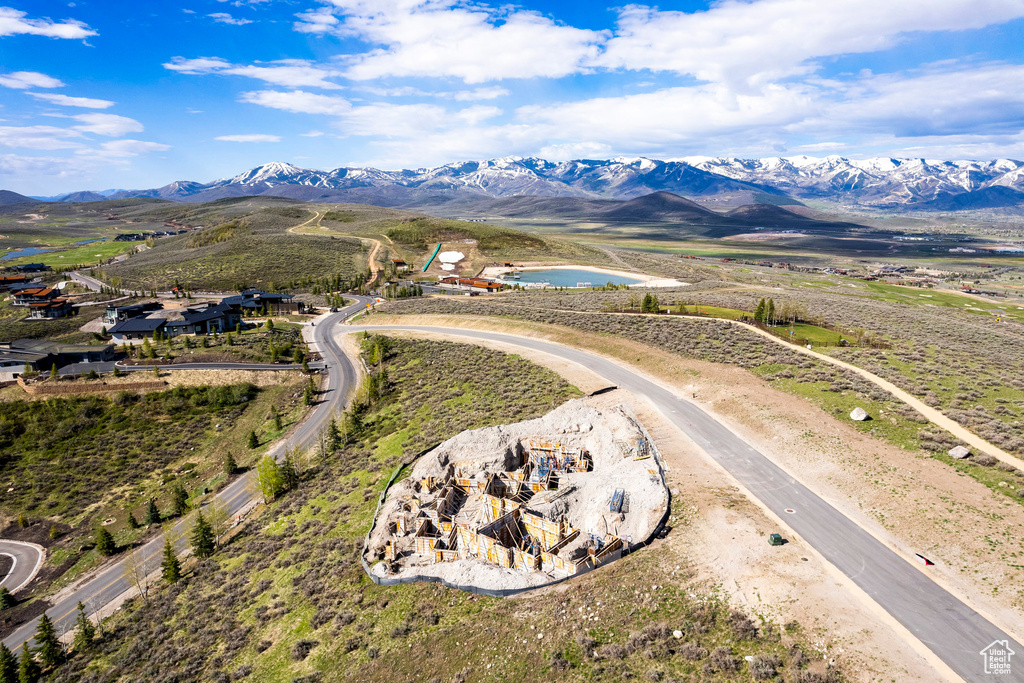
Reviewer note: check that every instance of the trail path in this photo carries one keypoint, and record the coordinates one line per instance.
(934, 416)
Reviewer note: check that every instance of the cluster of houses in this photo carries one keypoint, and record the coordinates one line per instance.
(138, 322)
(472, 284)
(43, 303)
(143, 236)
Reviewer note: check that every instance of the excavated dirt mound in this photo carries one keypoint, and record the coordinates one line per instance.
(616, 443)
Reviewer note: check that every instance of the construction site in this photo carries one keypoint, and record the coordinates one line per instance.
(522, 505)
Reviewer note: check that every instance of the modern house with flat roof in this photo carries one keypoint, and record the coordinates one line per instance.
(136, 330)
(39, 354)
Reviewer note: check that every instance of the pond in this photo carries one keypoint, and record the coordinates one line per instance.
(27, 251)
(570, 277)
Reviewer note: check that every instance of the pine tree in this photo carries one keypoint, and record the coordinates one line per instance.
(8, 666)
(277, 420)
(307, 396)
(253, 441)
(7, 600)
(49, 647)
(85, 632)
(759, 312)
(171, 567)
(132, 522)
(28, 670)
(333, 435)
(202, 537)
(105, 542)
(230, 466)
(770, 312)
(289, 474)
(152, 513)
(179, 500)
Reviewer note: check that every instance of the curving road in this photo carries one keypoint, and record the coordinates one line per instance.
(943, 623)
(110, 583)
(27, 558)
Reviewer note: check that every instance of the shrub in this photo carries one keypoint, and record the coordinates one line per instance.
(612, 651)
(692, 652)
(722, 660)
(764, 667)
(301, 649)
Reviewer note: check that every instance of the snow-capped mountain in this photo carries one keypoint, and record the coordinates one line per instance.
(883, 182)
(879, 182)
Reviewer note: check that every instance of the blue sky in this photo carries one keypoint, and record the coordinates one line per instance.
(104, 94)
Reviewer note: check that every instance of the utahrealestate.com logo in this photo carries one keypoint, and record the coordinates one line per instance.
(997, 657)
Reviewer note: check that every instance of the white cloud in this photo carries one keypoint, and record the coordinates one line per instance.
(739, 41)
(575, 150)
(298, 102)
(255, 137)
(287, 72)
(312, 134)
(320, 20)
(225, 18)
(110, 125)
(13, 22)
(29, 79)
(123, 149)
(491, 93)
(39, 137)
(66, 101)
(471, 42)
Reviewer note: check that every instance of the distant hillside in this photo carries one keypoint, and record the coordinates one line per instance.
(7, 197)
(270, 242)
(82, 197)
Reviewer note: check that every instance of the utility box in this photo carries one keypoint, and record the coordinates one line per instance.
(775, 539)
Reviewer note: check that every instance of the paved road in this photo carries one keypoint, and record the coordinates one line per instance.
(27, 559)
(941, 621)
(109, 584)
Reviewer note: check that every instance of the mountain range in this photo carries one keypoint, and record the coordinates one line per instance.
(716, 182)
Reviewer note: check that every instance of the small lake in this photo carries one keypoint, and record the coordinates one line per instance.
(571, 277)
(27, 251)
(97, 239)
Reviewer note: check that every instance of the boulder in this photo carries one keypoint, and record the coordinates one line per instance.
(960, 452)
(859, 414)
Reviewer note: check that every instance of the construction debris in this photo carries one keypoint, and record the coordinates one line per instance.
(525, 504)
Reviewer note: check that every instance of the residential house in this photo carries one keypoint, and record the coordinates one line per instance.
(136, 330)
(39, 354)
(35, 295)
(48, 310)
(9, 281)
(400, 265)
(116, 314)
(29, 268)
(256, 301)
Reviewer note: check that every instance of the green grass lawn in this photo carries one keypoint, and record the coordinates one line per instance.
(76, 256)
(920, 296)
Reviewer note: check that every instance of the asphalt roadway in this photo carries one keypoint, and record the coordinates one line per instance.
(110, 584)
(953, 631)
(26, 556)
